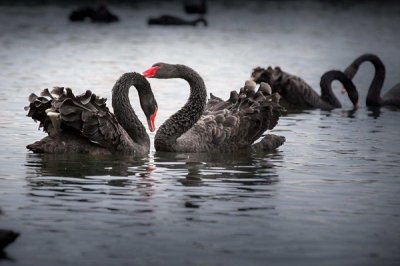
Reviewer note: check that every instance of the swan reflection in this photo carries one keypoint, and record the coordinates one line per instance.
(88, 178)
(124, 175)
(200, 169)
(81, 165)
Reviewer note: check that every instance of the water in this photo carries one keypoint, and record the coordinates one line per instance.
(329, 196)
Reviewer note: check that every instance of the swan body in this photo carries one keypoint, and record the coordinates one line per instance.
(217, 125)
(295, 92)
(84, 124)
(374, 98)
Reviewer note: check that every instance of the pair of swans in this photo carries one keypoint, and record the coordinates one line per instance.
(83, 124)
(297, 94)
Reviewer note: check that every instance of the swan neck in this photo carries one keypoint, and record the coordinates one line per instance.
(374, 91)
(327, 94)
(187, 116)
(326, 87)
(123, 110)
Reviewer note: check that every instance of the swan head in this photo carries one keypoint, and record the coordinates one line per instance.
(349, 86)
(150, 108)
(161, 71)
(353, 96)
(151, 118)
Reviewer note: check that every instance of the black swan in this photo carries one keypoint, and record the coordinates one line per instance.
(191, 7)
(167, 20)
(217, 126)
(99, 14)
(83, 124)
(390, 98)
(6, 238)
(297, 94)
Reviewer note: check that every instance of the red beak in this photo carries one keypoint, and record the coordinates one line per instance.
(150, 121)
(149, 73)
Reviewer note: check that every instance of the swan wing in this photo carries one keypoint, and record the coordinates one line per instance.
(299, 93)
(233, 124)
(85, 114)
(295, 92)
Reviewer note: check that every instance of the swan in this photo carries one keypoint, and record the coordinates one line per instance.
(168, 20)
(391, 97)
(217, 126)
(195, 8)
(296, 93)
(6, 238)
(83, 124)
(99, 14)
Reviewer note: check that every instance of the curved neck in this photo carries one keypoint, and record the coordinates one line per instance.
(374, 91)
(123, 109)
(187, 116)
(326, 88)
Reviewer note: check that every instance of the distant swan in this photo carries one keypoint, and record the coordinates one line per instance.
(191, 7)
(391, 97)
(100, 14)
(297, 94)
(6, 238)
(167, 20)
(83, 124)
(217, 126)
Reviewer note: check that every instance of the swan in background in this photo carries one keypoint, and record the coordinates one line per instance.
(99, 14)
(168, 20)
(297, 94)
(219, 126)
(6, 238)
(391, 97)
(83, 124)
(195, 7)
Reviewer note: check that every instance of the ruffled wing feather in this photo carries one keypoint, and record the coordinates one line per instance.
(85, 113)
(236, 123)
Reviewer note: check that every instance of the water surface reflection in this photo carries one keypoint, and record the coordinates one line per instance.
(52, 170)
(237, 179)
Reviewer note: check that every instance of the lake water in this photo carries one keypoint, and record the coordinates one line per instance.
(329, 196)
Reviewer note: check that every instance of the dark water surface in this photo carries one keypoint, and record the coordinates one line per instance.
(329, 196)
